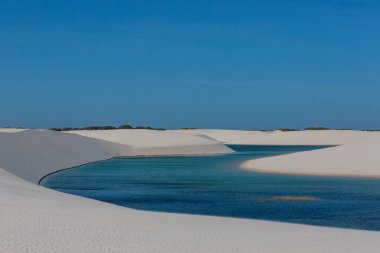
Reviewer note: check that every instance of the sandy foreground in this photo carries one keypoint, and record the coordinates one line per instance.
(36, 219)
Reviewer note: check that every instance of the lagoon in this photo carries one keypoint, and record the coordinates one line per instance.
(215, 185)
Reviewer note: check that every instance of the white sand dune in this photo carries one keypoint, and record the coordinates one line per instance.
(36, 219)
(11, 130)
(354, 159)
(310, 137)
(358, 155)
(32, 154)
(151, 142)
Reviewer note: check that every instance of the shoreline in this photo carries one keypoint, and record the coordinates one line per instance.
(249, 166)
(358, 159)
(132, 156)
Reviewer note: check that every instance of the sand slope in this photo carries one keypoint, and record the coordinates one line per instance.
(31, 154)
(358, 155)
(11, 130)
(311, 137)
(354, 159)
(151, 142)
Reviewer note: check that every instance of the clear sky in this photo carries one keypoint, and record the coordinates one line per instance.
(206, 64)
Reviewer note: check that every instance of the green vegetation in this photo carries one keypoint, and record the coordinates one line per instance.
(99, 128)
(125, 127)
(288, 129)
(294, 129)
(149, 128)
(105, 128)
(317, 128)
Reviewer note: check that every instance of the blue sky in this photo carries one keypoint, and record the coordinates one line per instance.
(207, 64)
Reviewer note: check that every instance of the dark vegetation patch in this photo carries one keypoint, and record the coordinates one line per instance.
(105, 128)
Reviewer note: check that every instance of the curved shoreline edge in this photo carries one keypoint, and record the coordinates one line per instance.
(69, 168)
(114, 157)
(38, 219)
(359, 160)
(250, 166)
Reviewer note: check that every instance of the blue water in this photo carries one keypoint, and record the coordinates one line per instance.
(215, 185)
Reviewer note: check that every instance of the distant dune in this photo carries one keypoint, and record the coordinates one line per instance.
(11, 130)
(309, 137)
(357, 155)
(151, 142)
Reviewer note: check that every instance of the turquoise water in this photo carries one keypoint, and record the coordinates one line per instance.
(215, 185)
